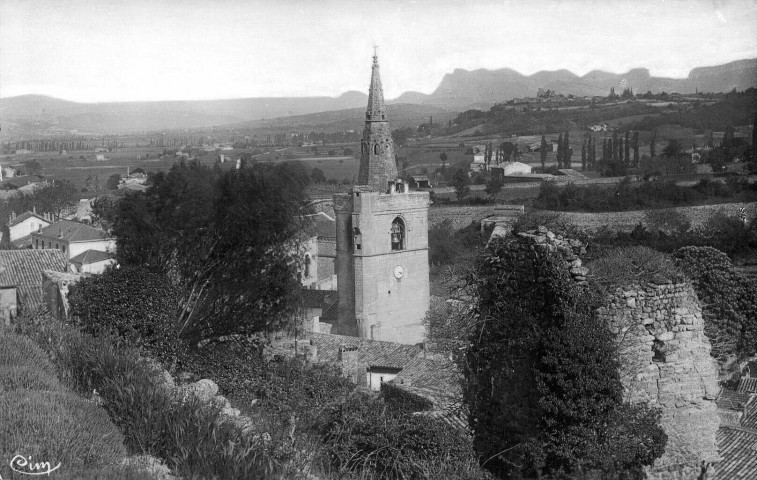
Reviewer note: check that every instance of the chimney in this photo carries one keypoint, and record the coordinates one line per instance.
(348, 357)
(311, 352)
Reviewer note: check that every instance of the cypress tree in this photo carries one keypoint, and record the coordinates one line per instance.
(559, 151)
(628, 149)
(620, 151)
(543, 153)
(583, 156)
(636, 148)
(652, 152)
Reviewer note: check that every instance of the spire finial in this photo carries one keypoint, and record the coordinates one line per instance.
(375, 52)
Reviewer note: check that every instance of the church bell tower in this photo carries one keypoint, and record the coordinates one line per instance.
(381, 240)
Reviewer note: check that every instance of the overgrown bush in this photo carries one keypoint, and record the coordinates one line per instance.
(543, 380)
(728, 297)
(624, 266)
(133, 303)
(365, 437)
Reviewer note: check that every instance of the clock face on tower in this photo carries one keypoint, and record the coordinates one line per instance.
(398, 272)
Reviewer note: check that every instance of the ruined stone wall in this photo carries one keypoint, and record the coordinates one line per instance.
(664, 352)
(667, 362)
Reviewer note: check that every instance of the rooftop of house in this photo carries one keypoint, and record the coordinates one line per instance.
(435, 379)
(325, 226)
(731, 400)
(71, 231)
(90, 256)
(316, 298)
(25, 267)
(331, 309)
(371, 353)
(15, 220)
(737, 451)
(749, 419)
(747, 385)
(737, 443)
(569, 172)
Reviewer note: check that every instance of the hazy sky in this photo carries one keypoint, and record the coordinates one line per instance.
(118, 50)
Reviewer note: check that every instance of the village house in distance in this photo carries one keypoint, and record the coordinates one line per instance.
(381, 241)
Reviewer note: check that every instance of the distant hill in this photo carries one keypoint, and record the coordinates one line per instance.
(457, 91)
(463, 87)
(400, 115)
(141, 116)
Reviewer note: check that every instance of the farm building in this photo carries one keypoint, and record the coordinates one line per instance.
(72, 238)
(21, 278)
(91, 261)
(21, 227)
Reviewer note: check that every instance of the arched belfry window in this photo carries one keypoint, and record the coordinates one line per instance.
(398, 234)
(376, 149)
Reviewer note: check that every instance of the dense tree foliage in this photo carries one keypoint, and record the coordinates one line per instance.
(229, 240)
(626, 196)
(544, 387)
(134, 304)
(54, 198)
(729, 300)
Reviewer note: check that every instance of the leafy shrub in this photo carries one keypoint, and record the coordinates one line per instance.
(288, 389)
(623, 266)
(364, 436)
(402, 401)
(667, 220)
(729, 300)
(57, 427)
(134, 303)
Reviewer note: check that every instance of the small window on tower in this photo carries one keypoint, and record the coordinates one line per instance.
(357, 238)
(398, 234)
(376, 149)
(307, 265)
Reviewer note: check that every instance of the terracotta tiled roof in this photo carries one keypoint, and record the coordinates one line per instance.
(731, 400)
(331, 309)
(72, 232)
(315, 298)
(325, 226)
(90, 256)
(25, 267)
(431, 374)
(25, 216)
(748, 385)
(371, 353)
(22, 242)
(749, 420)
(738, 448)
(30, 295)
(326, 247)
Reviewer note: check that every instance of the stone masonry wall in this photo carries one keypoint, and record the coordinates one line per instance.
(664, 353)
(667, 362)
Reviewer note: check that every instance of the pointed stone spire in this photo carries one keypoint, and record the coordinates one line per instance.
(376, 111)
(377, 163)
